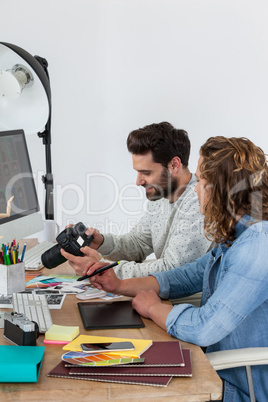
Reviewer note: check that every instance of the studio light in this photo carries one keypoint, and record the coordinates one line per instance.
(25, 103)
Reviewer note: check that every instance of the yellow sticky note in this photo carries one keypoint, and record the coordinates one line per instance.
(61, 333)
(140, 344)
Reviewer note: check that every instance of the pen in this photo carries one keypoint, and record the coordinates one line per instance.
(98, 271)
(8, 259)
(4, 254)
(17, 253)
(13, 256)
(23, 252)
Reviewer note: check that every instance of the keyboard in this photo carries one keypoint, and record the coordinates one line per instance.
(35, 308)
(32, 257)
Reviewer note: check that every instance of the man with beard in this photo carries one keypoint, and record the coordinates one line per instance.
(172, 227)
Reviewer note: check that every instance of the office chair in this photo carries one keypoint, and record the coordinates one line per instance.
(245, 357)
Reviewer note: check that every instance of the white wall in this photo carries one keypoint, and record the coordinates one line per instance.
(116, 65)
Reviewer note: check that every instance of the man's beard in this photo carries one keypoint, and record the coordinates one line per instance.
(166, 186)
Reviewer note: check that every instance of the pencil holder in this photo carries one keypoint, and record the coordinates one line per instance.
(12, 278)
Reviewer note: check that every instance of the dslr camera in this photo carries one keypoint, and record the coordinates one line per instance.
(20, 330)
(71, 240)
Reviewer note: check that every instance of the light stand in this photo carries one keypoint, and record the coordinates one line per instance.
(25, 102)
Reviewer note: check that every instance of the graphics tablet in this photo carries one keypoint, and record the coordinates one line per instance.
(105, 315)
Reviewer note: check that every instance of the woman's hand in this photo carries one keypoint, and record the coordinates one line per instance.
(145, 301)
(149, 305)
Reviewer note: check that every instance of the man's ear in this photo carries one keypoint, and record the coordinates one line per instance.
(174, 165)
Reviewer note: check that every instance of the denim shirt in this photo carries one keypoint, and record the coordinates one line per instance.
(234, 305)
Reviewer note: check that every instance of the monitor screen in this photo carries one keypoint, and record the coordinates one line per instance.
(16, 180)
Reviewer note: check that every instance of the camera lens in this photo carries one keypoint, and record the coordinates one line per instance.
(52, 257)
(80, 228)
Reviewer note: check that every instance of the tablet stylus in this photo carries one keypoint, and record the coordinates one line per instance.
(98, 271)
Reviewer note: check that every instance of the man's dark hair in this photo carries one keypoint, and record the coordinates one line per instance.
(163, 140)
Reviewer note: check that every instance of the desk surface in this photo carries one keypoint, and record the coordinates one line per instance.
(204, 385)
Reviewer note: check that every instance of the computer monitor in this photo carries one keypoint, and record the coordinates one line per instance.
(16, 179)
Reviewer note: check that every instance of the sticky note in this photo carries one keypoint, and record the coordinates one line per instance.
(61, 333)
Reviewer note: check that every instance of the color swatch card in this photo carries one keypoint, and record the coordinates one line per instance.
(100, 360)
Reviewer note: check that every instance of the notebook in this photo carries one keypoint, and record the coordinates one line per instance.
(61, 371)
(106, 315)
(133, 370)
(159, 354)
(161, 378)
(163, 354)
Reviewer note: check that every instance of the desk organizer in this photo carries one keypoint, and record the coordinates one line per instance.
(12, 278)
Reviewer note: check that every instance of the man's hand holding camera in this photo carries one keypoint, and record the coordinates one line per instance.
(98, 238)
(82, 265)
(71, 240)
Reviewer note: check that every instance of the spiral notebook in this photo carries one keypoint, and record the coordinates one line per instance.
(158, 354)
(155, 376)
(133, 370)
(106, 315)
(61, 371)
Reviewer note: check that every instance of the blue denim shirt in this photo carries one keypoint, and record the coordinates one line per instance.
(234, 305)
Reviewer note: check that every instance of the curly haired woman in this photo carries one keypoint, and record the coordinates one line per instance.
(233, 195)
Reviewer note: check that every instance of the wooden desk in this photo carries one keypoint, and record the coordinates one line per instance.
(204, 385)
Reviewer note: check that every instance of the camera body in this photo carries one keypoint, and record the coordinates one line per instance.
(20, 330)
(71, 240)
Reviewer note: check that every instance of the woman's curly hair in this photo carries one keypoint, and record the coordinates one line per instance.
(236, 172)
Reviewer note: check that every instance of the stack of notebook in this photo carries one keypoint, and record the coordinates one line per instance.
(155, 365)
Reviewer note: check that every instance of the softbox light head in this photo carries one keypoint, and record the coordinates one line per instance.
(25, 97)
